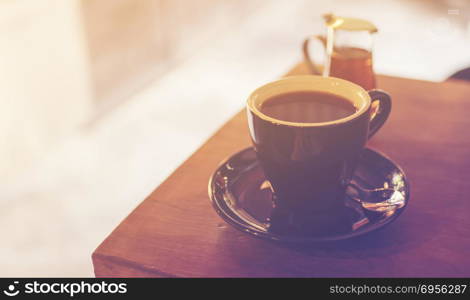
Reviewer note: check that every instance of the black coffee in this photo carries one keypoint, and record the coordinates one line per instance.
(307, 107)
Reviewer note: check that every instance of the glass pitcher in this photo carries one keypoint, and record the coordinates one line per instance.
(348, 46)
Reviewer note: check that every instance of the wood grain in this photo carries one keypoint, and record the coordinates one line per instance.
(175, 232)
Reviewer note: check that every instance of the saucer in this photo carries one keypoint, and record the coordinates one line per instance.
(241, 195)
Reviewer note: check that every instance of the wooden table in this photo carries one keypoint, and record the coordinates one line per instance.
(175, 231)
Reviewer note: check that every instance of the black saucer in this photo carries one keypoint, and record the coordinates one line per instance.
(241, 195)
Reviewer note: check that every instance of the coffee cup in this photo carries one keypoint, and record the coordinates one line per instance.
(308, 132)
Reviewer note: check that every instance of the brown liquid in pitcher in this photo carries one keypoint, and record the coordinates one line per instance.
(307, 107)
(353, 64)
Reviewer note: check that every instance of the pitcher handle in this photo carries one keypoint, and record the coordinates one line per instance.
(305, 49)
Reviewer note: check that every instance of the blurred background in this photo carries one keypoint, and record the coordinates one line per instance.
(102, 100)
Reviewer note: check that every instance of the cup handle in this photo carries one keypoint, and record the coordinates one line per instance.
(305, 49)
(383, 110)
